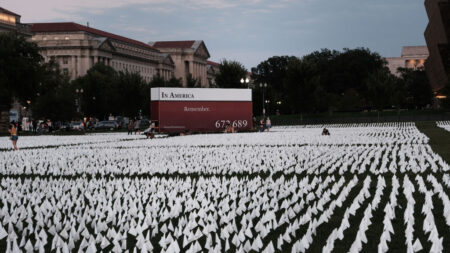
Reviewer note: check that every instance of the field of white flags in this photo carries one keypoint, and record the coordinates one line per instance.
(364, 188)
(444, 124)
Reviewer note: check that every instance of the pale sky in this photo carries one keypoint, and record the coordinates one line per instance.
(248, 31)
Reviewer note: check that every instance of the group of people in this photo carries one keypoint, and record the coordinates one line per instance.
(265, 124)
(134, 126)
(229, 128)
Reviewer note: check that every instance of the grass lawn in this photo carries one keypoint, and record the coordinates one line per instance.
(439, 138)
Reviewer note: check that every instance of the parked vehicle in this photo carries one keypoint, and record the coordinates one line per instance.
(62, 126)
(123, 121)
(76, 125)
(107, 124)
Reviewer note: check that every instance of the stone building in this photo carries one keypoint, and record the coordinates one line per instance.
(77, 48)
(10, 21)
(412, 57)
(189, 57)
(437, 36)
(212, 69)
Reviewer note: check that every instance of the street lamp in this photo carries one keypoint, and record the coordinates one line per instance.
(263, 86)
(245, 81)
(79, 92)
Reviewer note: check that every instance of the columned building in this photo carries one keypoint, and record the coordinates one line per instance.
(412, 57)
(212, 69)
(76, 48)
(166, 67)
(189, 57)
(437, 36)
(10, 22)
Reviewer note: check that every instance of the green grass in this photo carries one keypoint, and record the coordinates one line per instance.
(439, 138)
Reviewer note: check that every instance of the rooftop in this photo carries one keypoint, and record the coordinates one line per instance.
(411, 51)
(213, 63)
(74, 27)
(173, 44)
(8, 12)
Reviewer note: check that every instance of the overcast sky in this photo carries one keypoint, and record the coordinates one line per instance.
(248, 31)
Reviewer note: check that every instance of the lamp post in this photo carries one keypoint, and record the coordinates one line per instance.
(245, 81)
(263, 86)
(79, 92)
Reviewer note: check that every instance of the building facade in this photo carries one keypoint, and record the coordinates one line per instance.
(190, 58)
(437, 36)
(10, 22)
(212, 69)
(412, 57)
(76, 48)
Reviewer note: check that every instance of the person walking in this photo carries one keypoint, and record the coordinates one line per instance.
(261, 125)
(268, 124)
(14, 136)
(35, 126)
(136, 126)
(130, 127)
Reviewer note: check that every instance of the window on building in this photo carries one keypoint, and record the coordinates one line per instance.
(56, 38)
(4, 18)
(65, 71)
(65, 60)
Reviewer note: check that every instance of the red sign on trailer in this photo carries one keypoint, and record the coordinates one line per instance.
(179, 110)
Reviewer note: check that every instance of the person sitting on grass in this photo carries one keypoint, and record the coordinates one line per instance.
(325, 132)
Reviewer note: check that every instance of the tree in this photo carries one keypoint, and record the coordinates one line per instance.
(158, 81)
(343, 74)
(325, 79)
(350, 69)
(301, 84)
(273, 72)
(20, 70)
(55, 99)
(418, 90)
(100, 91)
(350, 100)
(106, 91)
(192, 82)
(380, 85)
(134, 95)
(230, 74)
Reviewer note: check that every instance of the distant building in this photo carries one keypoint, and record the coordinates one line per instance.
(10, 21)
(77, 48)
(412, 57)
(437, 36)
(212, 69)
(190, 57)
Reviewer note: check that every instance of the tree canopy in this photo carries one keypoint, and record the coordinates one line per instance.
(55, 98)
(328, 80)
(230, 74)
(106, 91)
(20, 72)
